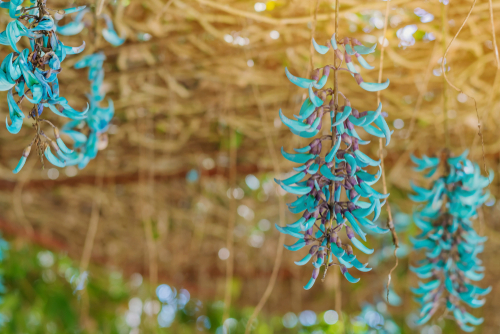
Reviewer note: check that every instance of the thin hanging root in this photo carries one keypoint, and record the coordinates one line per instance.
(480, 132)
(390, 223)
(392, 269)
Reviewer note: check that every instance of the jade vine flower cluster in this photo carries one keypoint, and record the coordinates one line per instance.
(326, 212)
(97, 122)
(34, 72)
(449, 239)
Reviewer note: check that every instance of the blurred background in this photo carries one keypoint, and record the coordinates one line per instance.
(139, 241)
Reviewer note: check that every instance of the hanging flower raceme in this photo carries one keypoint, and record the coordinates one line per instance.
(449, 239)
(89, 135)
(325, 211)
(32, 75)
(97, 123)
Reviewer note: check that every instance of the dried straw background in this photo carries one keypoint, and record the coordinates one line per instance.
(177, 94)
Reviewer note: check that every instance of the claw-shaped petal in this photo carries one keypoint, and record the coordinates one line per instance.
(373, 86)
(320, 48)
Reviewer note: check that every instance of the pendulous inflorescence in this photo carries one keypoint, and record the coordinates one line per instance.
(26, 73)
(90, 135)
(449, 239)
(329, 198)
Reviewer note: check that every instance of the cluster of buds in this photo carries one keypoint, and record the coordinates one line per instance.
(330, 198)
(34, 72)
(450, 241)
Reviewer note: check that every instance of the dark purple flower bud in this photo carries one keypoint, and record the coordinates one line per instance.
(355, 144)
(330, 164)
(351, 206)
(337, 185)
(311, 118)
(340, 154)
(347, 185)
(355, 113)
(346, 138)
(333, 237)
(353, 193)
(310, 183)
(348, 124)
(326, 70)
(348, 169)
(315, 273)
(343, 269)
(363, 114)
(339, 243)
(323, 209)
(315, 142)
(349, 231)
(313, 250)
(315, 75)
(337, 208)
(352, 180)
(349, 250)
(317, 149)
(306, 215)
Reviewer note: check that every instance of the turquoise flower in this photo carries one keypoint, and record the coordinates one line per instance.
(324, 174)
(450, 242)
